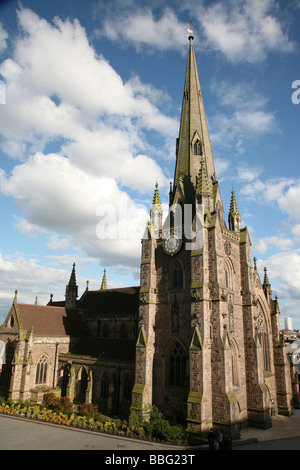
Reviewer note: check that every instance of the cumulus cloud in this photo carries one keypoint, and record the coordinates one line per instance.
(62, 95)
(244, 30)
(3, 38)
(39, 278)
(72, 203)
(262, 245)
(59, 88)
(138, 26)
(245, 114)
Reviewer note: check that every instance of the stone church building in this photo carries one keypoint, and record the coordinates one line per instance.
(200, 336)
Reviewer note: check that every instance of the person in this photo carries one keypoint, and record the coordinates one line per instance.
(220, 440)
(211, 439)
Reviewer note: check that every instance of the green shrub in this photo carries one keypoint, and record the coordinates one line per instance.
(65, 405)
(156, 426)
(52, 402)
(89, 410)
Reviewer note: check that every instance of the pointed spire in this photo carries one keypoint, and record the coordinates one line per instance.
(156, 198)
(156, 214)
(266, 279)
(72, 290)
(267, 286)
(104, 281)
(193, 143)
(234, 218)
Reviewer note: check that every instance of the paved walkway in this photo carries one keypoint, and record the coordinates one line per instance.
(283, 427)
(23, 434)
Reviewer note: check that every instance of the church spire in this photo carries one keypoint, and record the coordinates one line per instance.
(193, 145)
(156, 214)
(156, 198)
(267, 286)
(234, 218)
(104, 281)
(71, 290)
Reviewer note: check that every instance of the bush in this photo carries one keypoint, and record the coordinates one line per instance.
(65, 405)
(89, 410)
(156, 426)
(52, 402)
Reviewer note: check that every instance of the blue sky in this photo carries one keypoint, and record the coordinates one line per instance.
(90, 105)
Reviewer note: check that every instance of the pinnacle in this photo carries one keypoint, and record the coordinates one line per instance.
(104, 281)
(156, 197)
(233, 205)
(203, 183)
(266, 279)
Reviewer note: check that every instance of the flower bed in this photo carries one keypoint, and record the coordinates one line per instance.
(58, 417)
(58, 411)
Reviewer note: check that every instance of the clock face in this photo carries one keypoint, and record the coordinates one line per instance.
(172, 245)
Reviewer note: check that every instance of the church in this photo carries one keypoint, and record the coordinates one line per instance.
(199, 337)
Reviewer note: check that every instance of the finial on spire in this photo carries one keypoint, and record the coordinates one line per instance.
(190, 30)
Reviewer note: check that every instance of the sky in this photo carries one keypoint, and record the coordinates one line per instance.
(90, 101)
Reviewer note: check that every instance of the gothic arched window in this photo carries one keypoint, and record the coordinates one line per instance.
(104, 385)
(123, 331)
(41, 370)
(127, 387)
(234, 363)
(177, 365)
(197, 148)
(83, 380)
(177, 278)
(265, 349)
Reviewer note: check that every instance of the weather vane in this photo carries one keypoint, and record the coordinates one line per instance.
(190, 30)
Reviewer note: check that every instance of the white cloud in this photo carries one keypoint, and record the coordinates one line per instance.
(26, 228)
(274, 190)
(289, 201)
(61, 93)
(244, 117)
(3, 38)
(67, 204)
(34, 278)
(85, 103)
(262, 245)
(138, 26)
(244, 30)
(241, 30)
(56, 243)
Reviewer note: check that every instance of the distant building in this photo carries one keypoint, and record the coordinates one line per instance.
(288, 324)
(199, 338)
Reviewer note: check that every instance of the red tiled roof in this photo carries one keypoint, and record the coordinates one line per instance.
(50, 321)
